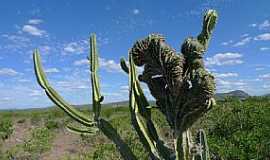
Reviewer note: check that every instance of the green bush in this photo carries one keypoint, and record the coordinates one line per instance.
(51, 124)
(240, 129)
(39, 142)
(6, 128)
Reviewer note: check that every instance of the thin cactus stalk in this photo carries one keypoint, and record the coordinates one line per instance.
(181, 85)
(92, 125)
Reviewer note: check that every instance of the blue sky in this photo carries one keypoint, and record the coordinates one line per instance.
(238, 54)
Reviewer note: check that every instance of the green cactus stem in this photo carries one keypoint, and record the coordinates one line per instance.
(183, 89)
(91, 126)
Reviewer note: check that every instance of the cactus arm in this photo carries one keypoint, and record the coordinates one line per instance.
(106, 128)
(96, 96)
(209, 22)
(124, 66)
(84, 131)
(54, 96)
(141, 118)
(112, 134)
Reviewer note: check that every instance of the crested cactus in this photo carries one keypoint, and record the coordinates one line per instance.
(181, 85)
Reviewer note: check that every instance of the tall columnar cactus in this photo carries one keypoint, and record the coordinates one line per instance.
(182, 87)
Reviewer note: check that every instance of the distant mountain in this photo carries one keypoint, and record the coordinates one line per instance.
(237, 93)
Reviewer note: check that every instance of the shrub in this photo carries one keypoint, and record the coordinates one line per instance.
(39, 142)
(6, 128)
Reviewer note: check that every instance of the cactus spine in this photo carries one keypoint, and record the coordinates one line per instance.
(183, 90)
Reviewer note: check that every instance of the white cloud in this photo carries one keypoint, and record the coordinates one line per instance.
(264, 48)
(33, 30)
(244, 35)
(264, 25)
(5, 99)
(8, 72)
(74, 47)
(265, 76)
(124, 89)
(108, 65)
(34, 93)
(263, 37)
(221, 59)
(266, 86)
(227, 43)
(225, 85)
(45, 49)
(243, 41)
(253, 25)
(52, 70)
(16, 38)
(259, 68)
(72, 84)
(226, 75)
(35, 21)
(136, 11)
(81, 62)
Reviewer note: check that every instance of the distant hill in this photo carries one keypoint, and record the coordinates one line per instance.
(237, 93)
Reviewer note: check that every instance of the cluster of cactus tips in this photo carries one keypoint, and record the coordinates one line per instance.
(182, 87)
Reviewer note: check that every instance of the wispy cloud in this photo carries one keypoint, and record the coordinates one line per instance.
(8, 72)
(35, 21)
(226, 75)
(264, 25)
(52, 70)
(264, 48)
(244, 41)
(263, 37)
(226, 85)
(108, 65)
(265, 76)
(33, 30)
(253, 25)
(36, 93)
(16, 38)
(136, 11)
(227, 43)
(45, 49)
(81, 62)
(221, 59)
(74, 47)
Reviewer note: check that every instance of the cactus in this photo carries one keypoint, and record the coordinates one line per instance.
(182, 87)
(91, 125)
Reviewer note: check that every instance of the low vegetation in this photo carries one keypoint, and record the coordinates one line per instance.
(235, 130)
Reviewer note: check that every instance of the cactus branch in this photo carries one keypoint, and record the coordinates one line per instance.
(112, 134)
(141, 118)
(54, 96)
(209, 22)
(102, 124)
(124, 66)
(84, 131)
(96, 96)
